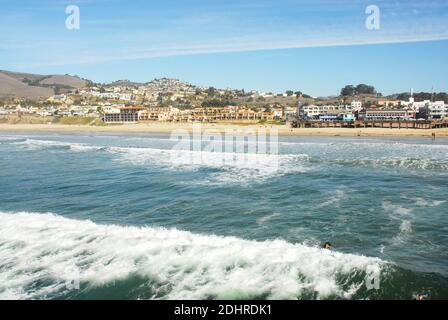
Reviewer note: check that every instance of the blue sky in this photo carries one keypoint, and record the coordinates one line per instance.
(316, 46)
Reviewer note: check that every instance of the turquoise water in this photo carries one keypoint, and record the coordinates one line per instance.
(119, 217)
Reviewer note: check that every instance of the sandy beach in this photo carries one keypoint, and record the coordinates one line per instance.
(168, 128)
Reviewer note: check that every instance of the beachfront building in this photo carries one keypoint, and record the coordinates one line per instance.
(279, 113)
(216, 114)
(387, 115)
(230, 113)
(337, 116)
(435, 110)
(124, 114)
(290, 112)
(438, 110)
(212, 114)
(391, 103)
(157, 113)
(313, 112)
(329, 117)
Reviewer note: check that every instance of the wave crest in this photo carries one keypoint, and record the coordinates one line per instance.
(41, 253)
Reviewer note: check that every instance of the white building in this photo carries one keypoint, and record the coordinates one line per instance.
(314, 111)
(290, 112)
(388, 115)
(114, 95)
(437, 109)
(266, 94)
(356, 105)
(111, 109)
(278, 113)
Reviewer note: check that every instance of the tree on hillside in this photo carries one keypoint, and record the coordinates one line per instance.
(240, 93)
(364, 89)
(215, 103)
(348, 90)
(211, 92)
(228, 95)
(289, 93)
(298, 94)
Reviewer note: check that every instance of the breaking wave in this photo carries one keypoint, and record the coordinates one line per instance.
(230, 167)
(241, 167)
(36, 144)
(396, 162)
(45, 255)
(10, 140)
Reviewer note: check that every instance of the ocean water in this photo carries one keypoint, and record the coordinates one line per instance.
(96, 216)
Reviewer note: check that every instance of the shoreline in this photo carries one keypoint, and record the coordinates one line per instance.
(283, 130)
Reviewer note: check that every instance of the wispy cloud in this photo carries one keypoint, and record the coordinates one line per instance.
(111, 31)
(222, 48)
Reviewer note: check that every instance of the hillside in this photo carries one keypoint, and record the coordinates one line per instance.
(35, 86)
(124, 83)
(12, 87)
(64, 80)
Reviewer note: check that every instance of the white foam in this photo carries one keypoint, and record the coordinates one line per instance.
(80, 147)
(405, 216)
(334, 200)
(396, 210)
(397, 162)
(404, 234)
(234, 167)
(10, 139)
(188, 266)
(36, 144)
(267, 218)
(403, 156)
(428, 203)
(406, 226)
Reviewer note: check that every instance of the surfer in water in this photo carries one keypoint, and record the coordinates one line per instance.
(328, 246)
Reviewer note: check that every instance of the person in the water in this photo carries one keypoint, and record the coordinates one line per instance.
(328, 246)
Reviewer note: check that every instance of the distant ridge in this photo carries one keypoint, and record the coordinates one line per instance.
(125, 83)
(35, 86)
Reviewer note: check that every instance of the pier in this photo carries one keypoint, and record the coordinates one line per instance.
(394, 124)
